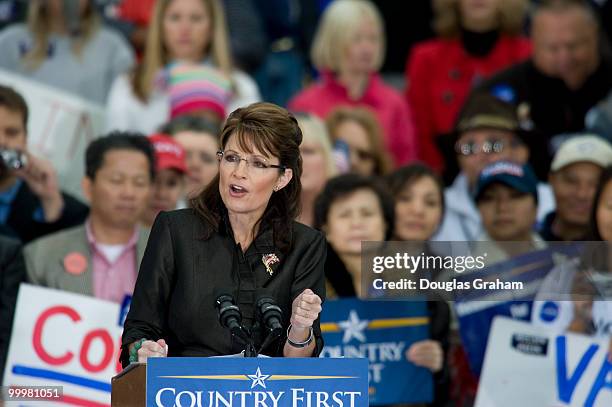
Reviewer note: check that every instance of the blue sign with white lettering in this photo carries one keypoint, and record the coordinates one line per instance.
(477, 308)
(381, 332)
(263, 382)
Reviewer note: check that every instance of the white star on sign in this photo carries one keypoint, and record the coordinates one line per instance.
(258, 379)
(353, 327)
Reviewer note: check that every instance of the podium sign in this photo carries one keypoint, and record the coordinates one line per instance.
(264, 382)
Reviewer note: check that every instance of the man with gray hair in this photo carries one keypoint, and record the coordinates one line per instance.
(565, 77)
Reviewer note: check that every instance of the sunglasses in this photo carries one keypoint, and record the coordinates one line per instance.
(491, 146)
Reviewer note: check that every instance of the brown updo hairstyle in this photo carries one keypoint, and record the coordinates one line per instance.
(275, 133)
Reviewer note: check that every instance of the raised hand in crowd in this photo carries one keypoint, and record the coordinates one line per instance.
(427, 353)
(41, 177)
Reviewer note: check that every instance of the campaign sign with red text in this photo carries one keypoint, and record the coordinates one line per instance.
(65, 339)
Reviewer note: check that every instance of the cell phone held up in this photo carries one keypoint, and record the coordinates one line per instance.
(12, 159)
(341, 155)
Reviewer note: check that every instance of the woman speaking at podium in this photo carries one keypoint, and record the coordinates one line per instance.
(238, 239)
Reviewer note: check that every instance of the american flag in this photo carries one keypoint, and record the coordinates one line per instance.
(268, 260)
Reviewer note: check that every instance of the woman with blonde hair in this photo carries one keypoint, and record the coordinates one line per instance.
(360, 130)
(348, 50)
(64, 45)
(185, 32)
(476, 38)
(317, 161)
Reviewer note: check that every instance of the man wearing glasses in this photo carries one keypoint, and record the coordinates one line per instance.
(486, 131)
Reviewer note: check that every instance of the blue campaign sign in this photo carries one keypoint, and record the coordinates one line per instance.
(476, 309)
(474, 327)
(263, 382)
(381, 332)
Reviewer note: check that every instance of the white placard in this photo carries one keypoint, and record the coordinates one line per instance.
(65, 339)
(60, 127)
(529, 367)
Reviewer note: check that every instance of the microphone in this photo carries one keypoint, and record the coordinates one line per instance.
(270, 313)
(229, 314)
(230, 317)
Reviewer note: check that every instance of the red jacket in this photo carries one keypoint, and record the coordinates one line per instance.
(440, 74)
(391, 109)
(136, 11)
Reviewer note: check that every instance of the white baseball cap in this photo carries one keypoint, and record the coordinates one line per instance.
(585, 147)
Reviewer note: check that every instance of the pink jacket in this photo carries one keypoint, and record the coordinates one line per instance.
(390, 107)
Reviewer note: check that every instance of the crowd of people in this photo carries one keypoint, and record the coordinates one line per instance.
(501, 131)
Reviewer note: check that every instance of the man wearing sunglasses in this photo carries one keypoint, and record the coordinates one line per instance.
(486, 131)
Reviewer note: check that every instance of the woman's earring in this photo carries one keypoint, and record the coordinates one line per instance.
(275, 188)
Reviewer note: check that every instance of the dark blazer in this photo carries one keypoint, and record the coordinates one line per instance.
(550, 105)
(182, 274)
(12, 273)
(22, 224)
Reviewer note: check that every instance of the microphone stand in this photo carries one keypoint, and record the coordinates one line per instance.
(242, 334)
(273, 335)
(231, 318)
(270, 316)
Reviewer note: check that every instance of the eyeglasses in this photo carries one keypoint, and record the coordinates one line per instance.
(363, 155)
(256, 163)
(486, 147)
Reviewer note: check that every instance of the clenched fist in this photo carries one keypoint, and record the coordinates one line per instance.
(305, 309)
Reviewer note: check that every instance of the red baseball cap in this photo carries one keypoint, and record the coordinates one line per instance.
(168, 153)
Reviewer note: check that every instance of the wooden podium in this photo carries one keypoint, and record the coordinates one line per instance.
(129, 387)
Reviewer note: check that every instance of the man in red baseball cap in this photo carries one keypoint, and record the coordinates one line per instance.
(169, 177)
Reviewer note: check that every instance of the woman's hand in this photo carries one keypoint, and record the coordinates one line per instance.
(427, 353)
(150, 349)
(583, 315)
(305, 309)
(583, 293)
